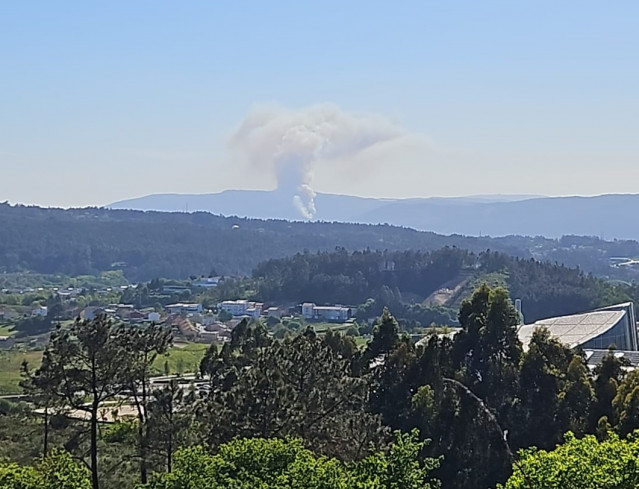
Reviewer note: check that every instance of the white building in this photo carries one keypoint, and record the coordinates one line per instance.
(207, 283)
(274, 312)
(613, 326)
(184, 308)
(91, 312)
(241, 308)
(308, 310)
(40, 311)
(326, 313)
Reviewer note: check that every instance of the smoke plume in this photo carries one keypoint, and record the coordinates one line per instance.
(291, 143)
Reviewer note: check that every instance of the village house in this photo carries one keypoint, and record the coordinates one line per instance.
(40, 311)
(7, 342)
(91, 312)
(184, 308)
(240, 308)
(207, 283)
(311, 311)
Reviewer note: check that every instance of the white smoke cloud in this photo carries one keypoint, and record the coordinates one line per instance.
(291, 143)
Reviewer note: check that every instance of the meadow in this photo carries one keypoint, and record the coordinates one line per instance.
(10, 369)
(182, 358)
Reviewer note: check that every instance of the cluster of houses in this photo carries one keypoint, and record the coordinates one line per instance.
(122, 312)
(238, 309)
(8, 313)
(201, 329)
(189, 320)
(308, 310)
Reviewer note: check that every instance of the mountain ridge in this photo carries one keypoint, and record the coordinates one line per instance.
(608, 215)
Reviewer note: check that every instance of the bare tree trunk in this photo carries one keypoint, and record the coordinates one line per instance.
(45, 443)
(169, 448)
(493, 419)
(95, 482)
(143, 454)
(143, 430)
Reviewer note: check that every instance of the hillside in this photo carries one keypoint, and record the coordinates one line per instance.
(176, 245)
(405, 280)
(605, 215)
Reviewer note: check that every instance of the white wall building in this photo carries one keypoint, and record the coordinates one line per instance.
(326, 313)
(308, 310)
(241, 308)
(184, 308)
(40, 311)
(207, 283)
(274, 312)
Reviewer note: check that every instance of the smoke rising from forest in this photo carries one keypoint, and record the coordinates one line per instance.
(290, 144)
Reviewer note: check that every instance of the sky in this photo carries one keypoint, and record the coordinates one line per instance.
(103, 101)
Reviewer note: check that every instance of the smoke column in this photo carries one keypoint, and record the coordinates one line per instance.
(291, 143)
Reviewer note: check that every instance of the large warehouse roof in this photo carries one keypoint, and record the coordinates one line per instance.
(574, 330)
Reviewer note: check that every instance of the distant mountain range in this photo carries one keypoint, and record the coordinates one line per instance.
(607, 216)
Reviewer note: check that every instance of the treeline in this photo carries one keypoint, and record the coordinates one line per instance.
(481, 397)
(464, 405)
(260, 403)
(402, 280)
(146, 245)
(249, 464)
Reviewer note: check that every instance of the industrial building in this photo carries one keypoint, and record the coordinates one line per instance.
(601, 329)
(240, 308)
(184, 308)
(326, 313)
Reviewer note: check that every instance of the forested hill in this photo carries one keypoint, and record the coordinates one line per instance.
(416, 285)
(175, 245)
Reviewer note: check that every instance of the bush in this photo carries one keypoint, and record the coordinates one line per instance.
(579, 464)
(57, 471)
(284, 463)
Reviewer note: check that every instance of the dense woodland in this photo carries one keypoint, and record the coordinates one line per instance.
(315, 411)
(146, 245)
(402, 281)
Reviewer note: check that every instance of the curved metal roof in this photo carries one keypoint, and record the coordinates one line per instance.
(576, 329)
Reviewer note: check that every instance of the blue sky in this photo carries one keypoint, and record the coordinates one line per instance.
(110, 100)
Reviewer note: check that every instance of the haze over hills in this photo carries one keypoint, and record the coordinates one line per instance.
(276, 204)
(608, 216)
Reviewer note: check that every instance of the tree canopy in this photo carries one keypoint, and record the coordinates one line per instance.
(579, 463)
(466, 409)
(286, 463)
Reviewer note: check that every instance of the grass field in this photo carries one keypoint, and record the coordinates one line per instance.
(182, 358)
(6, 330)
(10, 363)
(323, 327)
